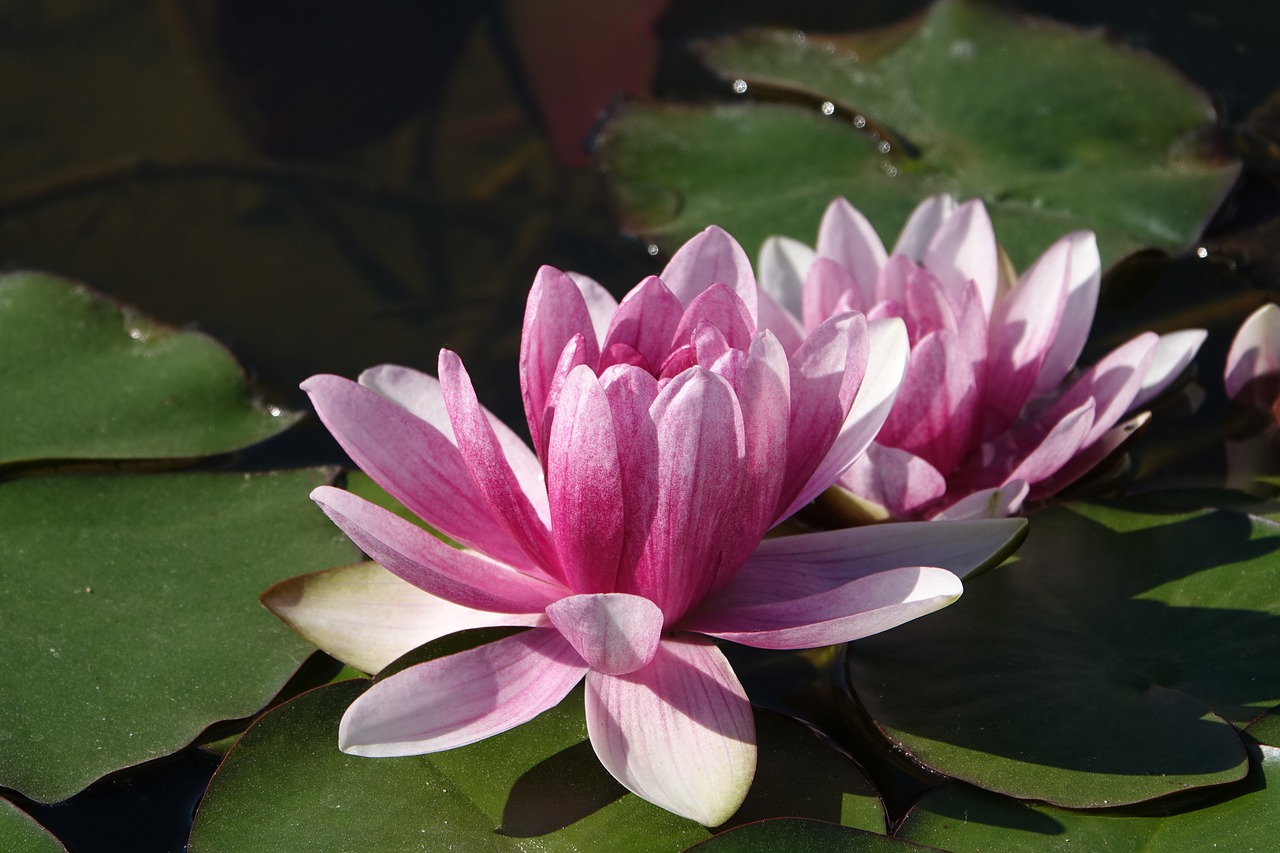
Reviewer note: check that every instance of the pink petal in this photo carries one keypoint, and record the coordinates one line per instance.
(1023, 329)
(922, 224)
(1077, 316)
(826, 374)
(555, 312)
(584, 481)
(1112, 383)
(420, 393)
(463, 698)
(367, 617)
(600, 303)
(859, 608)
(720, 307)
(631, 393)
(416, 463)
(899, 481)
(846, 237)
(573, 355)
(786, 568)
(700, 446)
(784, 263)
(1090, 457)
(711, 257)
(678, 733)
(783, 325)
(408, 551)
(1173, 353)
(1063, 440)
(1000, 502)
(886, 366)
(935, 413)
(647, 320)
(489, 468)
(963, 249)
(613, 632)
(829, 289)
(1255, 351)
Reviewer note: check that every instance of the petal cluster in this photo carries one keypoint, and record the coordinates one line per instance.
(992, 410)
(671, 430)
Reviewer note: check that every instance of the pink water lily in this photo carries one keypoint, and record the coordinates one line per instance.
(671, 433)
(1252, 373)
(991, 412)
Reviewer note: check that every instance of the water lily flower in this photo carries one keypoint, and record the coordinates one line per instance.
(992, 411)
(1252, 373)
(671, 432)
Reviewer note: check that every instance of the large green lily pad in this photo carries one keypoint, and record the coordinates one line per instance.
(84, 378)
(1101, 666)
(130, 613)
(1243, 816)
(801, 836)
(286, 787)
(1054, 129)
(19, 833)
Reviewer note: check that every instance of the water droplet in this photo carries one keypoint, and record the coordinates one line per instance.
(884, 146)
(740, 86)
(889, 169)
(652, 249)
(1202, 252)
(859, 121)
(274, 411)
(799, 36)
(828, 108)
(828, 48)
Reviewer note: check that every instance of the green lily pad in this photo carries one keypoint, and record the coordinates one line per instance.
(1054, 129)
(84, 378)
(130, 613)
(1242, 816)
(801, 836)
(1102, 666)
(19, 833)
(285, 786)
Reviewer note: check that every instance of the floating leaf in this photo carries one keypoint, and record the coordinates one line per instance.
(1098, 668)
(20, 834)
(286, 786)
(1053, 129)
(84, 378)
(131, 618)
(801, 836)
(1243, 816)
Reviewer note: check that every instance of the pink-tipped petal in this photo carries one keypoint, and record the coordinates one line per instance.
(678, 733)
(936, 409)
(700, 448)
(489, 468)
(922, 224)
(784, 326)
(573, 355)
(857, 609)
(367, 617)
(1000, 502)
(420, 393)
(722, 308)
(1077, 316)
(463, 698)
(646, 320)
(408, 551)
(846, 237)
(886, 367)
(1088, 458)
(1064, 440)
(826, 376)
(631, 393)
(786, 568)
(963, 249)
(711, 257)
(1173, 353)
(555, 312)
(829, 289)
(584, 483)
(614, 633)
(1023, 328)
(899, 481)
(600, 303)
(784, 263)
(1255, 351)
(1113, 384)
(417, 464)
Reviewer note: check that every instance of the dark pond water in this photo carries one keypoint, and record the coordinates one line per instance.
(326, 185)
